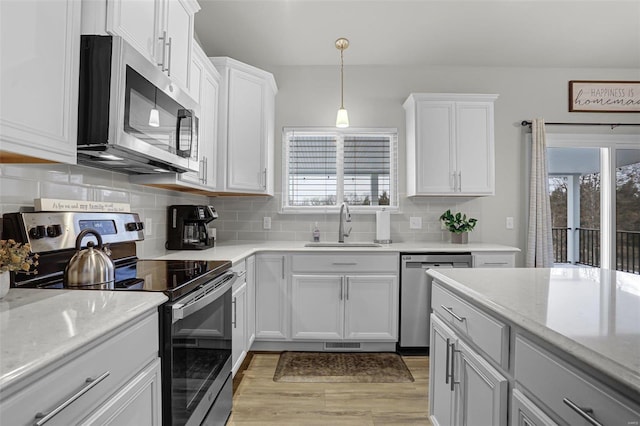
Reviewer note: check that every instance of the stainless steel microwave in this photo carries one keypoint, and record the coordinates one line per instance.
(131, 117)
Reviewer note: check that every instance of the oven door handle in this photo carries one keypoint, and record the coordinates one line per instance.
(182, 310)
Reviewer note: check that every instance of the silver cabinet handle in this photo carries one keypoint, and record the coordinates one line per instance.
(453, 366)
(347, 297)
(344, 263)
(453, 314)
(283, 267)
(585, 413)
(206, 170)
(454, 181)
(495, 263)
(201, 172)
(234, 322)
(169, 61)
(89, 384)
(446, 368)
(264, 174)
(459, 181)
(341, 287)
(163, 38)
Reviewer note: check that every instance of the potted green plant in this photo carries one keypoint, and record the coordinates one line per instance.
(459, 226)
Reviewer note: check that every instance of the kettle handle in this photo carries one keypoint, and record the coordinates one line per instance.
(86, 232)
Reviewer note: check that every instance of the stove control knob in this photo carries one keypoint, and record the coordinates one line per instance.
(37, 232)
(134, 226)
(54, 231)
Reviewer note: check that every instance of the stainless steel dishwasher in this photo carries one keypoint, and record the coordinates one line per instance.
(415, 294)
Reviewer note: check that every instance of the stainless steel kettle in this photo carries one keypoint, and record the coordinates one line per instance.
(91, 267)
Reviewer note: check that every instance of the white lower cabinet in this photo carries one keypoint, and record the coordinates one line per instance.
(114, 382)
(567, 394)
(336, 307)
(464, 389)
(137, 403)
(525, 413)
(272, 303)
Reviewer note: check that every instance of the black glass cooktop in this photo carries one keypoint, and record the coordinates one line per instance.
(173, 277)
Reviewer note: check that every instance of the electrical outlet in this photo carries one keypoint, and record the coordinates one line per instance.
(415, 223)
(266, 222)
(148, 226)
(509, 222)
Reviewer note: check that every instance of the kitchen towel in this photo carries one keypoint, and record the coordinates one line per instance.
(383, 226)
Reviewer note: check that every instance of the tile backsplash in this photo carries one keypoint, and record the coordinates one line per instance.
(20, 184)
(241, 218)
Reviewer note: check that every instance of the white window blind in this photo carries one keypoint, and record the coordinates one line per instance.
(325, 167)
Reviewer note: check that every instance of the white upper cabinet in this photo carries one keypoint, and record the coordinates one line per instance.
(39, 64)
(450, 144)
(246, 128)
(162, 30)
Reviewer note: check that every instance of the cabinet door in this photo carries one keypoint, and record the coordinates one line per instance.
(317, 307)
(138, 403)
(209, 128)
(441, 394)
(525, 413)
(139, 23)
(238, 324)
(474, 148)
(39, 64)
(271, 292)
(179, 26)
(483, 390)
(246, 156)
(371, 307)
(196, 90)
(435, 147)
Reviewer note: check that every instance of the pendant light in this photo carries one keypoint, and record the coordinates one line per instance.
(342, 119)
(154, 116)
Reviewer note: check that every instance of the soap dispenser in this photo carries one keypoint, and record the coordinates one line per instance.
(316, 233)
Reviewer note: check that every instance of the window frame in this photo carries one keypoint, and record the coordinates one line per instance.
(339, 134)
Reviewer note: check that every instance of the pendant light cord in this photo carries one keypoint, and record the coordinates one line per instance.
(341, 79)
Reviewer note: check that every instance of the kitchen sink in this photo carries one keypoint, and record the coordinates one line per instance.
(336, 244)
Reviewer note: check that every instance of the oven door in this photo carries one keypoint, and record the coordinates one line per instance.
(196, 359)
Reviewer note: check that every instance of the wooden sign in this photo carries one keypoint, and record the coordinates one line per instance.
(604, 96)
(54, 205)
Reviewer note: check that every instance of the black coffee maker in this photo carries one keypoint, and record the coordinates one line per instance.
(187, 227)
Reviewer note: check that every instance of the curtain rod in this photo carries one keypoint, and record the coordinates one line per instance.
(613, 125)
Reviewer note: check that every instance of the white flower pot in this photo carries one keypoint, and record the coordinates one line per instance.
(5, 281)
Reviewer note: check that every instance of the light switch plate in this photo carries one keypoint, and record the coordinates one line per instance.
(148, 226)
(415, 223)
(266, 222)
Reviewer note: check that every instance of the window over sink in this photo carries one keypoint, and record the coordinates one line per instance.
(324, 167)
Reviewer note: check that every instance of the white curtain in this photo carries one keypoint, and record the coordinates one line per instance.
(539, 238)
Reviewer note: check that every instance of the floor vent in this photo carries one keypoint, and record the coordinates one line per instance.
(345, 346)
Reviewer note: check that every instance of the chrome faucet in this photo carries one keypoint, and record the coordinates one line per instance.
(345, 216)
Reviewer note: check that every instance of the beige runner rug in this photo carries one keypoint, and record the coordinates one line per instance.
(338, 367)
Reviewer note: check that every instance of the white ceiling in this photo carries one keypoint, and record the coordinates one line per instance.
(510, 33)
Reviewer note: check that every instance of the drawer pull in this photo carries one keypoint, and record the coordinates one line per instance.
(495, 263)
(453, 314)
(453, 352)
(583, 412)
(345, 263)
(89, 384)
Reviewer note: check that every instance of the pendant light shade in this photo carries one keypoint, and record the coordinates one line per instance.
(342, 119)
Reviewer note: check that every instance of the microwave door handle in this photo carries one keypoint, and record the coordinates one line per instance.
(182, 114)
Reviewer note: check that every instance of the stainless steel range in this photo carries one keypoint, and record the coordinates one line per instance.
(195, 324)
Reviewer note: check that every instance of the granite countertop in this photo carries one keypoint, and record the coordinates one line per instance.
(39, 327)
(236, 251)
(591, 314)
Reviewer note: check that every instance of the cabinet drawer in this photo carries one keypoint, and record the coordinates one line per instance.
(494, 260)
(489, 334)
(345, 262)
(554, 383)
(122, 356)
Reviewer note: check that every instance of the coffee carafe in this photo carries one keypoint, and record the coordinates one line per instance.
(187, 227)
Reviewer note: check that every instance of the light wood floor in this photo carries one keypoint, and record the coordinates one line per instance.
(259, 400)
